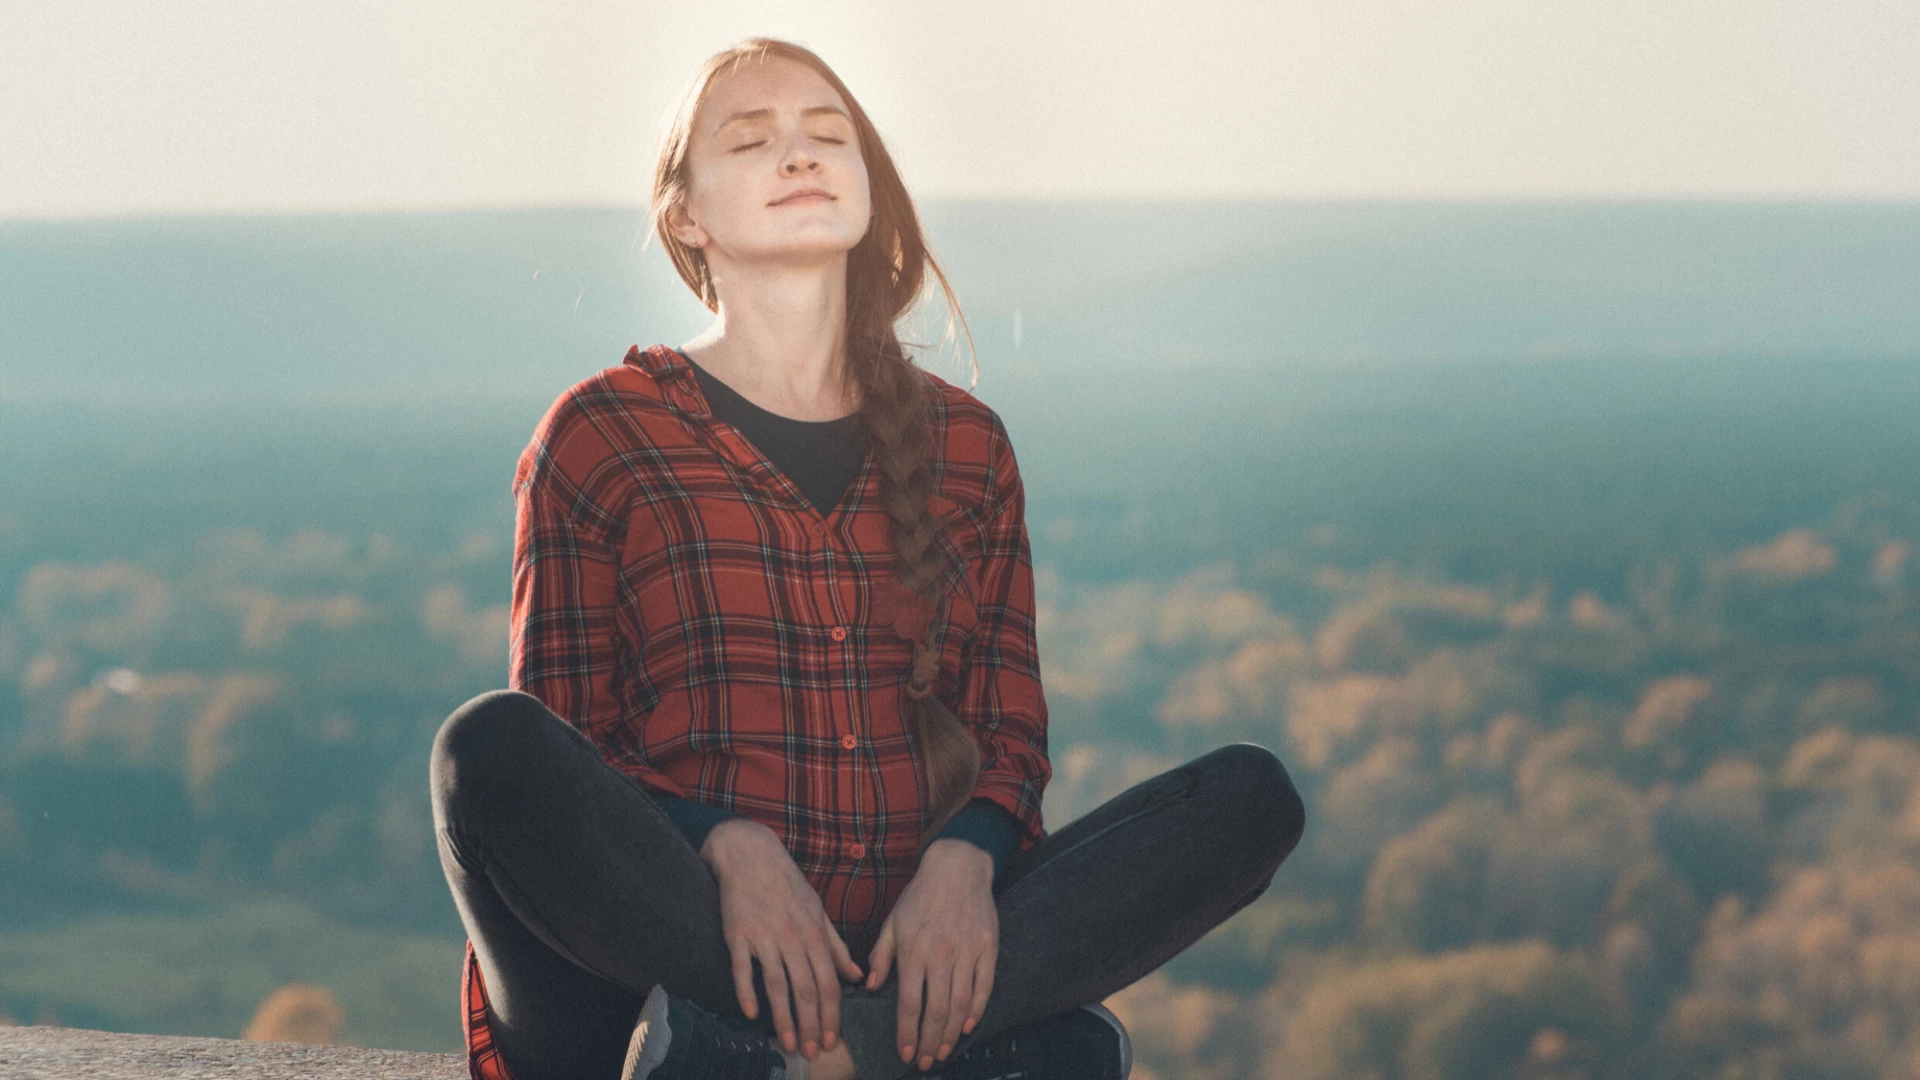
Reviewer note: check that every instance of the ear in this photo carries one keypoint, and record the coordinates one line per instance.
(683, 228)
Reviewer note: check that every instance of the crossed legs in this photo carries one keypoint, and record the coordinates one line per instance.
(579, 894)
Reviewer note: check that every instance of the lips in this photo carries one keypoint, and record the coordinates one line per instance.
(802, 193)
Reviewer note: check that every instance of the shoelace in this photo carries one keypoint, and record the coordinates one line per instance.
(985, 1050)
(746, 1056)
(996, 1061)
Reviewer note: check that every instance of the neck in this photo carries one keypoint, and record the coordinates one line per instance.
(780, 338)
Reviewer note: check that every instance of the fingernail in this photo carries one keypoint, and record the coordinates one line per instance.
(811, 1049)
(944, 1047)
(827, 1040)
(926, 1062)
(906, 1053)
(967, 1026)
(786, 1041)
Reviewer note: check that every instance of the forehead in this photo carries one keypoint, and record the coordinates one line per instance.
(765, 82)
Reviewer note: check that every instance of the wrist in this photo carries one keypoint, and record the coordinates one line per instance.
(727, 838)
(962, 851)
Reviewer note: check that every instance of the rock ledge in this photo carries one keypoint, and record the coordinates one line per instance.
(37, 1052)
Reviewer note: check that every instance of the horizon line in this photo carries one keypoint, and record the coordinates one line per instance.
(372, 210)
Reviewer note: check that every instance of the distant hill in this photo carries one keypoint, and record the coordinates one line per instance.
(511, 306)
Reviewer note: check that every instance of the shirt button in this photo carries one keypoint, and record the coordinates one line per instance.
(838, 633)
(858, 851)
(819, 528)
(848, 742)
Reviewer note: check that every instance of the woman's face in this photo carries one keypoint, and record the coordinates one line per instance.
(767, 132)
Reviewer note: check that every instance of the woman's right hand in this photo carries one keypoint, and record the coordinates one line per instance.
(769, 911)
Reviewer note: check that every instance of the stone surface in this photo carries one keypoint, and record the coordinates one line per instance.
(37, 1052)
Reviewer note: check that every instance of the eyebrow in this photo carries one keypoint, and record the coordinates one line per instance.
(763, 112)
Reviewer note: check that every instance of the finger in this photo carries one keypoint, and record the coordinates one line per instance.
(842, 956)
(843, 963)
(906, 1023)
(934, 1020)
(773, 972)
(982, 987)
(829, 988)
(958, 1000)
(743, 977)
(882, 956)
(801, 967)
(806, 993)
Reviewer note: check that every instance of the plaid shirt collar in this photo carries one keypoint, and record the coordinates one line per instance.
(674, 373)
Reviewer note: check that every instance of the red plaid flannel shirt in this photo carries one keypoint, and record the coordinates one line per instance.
(677, 599)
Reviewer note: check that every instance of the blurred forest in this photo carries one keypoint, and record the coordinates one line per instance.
(1600, 677)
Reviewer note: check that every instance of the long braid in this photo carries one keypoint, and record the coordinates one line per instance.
(893, 412)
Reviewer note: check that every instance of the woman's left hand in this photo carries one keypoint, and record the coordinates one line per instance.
(947, 931)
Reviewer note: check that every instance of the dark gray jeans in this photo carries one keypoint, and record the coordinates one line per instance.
(579, 894)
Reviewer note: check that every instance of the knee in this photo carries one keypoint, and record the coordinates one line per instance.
(490, 731)
(1267, 807)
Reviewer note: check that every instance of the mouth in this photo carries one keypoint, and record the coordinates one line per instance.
(804, 195)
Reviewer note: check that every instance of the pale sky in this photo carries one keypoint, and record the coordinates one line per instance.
(117, 107)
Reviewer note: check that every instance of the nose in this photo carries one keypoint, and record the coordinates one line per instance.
(799, 158)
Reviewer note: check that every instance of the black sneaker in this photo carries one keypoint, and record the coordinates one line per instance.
(1087, 1043)
(674, 1039)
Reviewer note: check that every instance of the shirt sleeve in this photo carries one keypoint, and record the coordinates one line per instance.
(984, 825)
(694, 819)
(570, 637)
(1000, 694)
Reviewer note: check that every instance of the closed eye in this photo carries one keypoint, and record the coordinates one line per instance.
(751, 145)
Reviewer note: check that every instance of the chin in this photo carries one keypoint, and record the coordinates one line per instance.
(814, 244)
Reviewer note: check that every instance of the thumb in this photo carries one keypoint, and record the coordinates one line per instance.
(882, 956)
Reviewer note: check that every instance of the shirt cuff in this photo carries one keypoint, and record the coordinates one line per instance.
(985, 825)
(694, 820)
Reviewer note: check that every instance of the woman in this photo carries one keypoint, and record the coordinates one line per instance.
(774, 698)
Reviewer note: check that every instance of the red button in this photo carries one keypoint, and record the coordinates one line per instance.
(858, 851)
(848, 741)
(838, 633)
(819, 528)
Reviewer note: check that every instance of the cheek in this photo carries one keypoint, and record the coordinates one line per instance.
(859, 194)
(715, 202)
(849, 169)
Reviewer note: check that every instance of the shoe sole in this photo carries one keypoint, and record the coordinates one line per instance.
(648, 1046)
(1126, 1043)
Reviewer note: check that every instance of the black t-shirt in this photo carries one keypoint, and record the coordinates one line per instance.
(821, 457)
